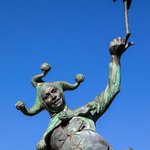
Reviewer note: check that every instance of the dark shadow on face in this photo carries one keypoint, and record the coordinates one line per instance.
(53, 98)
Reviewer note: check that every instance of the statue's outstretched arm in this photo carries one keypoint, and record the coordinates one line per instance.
(35, 109)
(103, 101)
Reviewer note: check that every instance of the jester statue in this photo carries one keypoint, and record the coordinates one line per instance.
(75, 129)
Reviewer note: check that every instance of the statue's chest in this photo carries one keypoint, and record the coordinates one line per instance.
(76, 124)
(72, 133)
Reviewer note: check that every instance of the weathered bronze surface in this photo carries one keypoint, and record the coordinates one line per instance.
(74, 129)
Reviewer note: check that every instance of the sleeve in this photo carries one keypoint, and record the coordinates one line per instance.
(101, 103)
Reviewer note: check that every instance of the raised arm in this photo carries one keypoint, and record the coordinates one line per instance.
(103, 101)
(35, 109)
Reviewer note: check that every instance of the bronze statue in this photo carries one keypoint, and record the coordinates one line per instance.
(74, 129)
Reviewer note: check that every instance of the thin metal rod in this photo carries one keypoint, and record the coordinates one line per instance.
(126, 17)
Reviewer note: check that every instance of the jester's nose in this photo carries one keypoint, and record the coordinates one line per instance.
(53, 97)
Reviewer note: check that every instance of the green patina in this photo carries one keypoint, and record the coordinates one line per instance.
(81, 122)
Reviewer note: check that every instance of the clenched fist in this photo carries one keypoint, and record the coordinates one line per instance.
(118, 46)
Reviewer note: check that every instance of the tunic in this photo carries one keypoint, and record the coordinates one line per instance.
(77, 134)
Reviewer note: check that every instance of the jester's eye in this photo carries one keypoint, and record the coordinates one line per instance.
(54, 90)
(45, 96)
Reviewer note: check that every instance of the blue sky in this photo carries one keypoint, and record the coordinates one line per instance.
(73, 36)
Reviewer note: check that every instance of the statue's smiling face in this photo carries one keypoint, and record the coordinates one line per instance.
(53, 98)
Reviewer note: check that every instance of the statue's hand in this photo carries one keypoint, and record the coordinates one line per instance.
(118, 46)
(20, 105)
(41, 145)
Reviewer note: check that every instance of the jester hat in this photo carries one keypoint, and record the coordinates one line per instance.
(40, 84)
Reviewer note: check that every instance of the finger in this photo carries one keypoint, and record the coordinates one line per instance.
(126, 37)
(111, 44)
(128, 45)
(118, 39)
